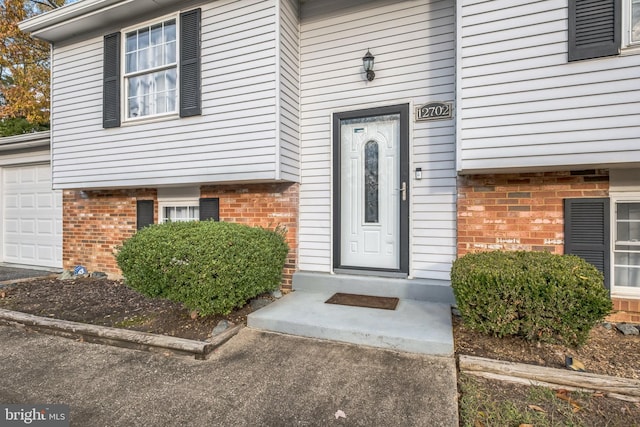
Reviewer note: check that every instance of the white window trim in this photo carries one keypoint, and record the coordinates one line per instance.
(124, 88)
(626, 27)
(175, 197)
(620, 197)
(176, 203)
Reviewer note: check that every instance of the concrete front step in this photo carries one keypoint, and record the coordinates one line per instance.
(431, 290)
(414, 326)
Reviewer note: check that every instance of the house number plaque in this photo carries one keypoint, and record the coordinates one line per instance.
(434, 111)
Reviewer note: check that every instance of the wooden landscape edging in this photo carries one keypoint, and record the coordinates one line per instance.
(119, 337)
(620, 388)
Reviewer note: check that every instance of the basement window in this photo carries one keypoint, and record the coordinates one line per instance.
(178, 204)
(182, 213)
(626, 251)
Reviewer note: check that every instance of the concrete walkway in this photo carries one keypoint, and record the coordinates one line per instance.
(256, 379)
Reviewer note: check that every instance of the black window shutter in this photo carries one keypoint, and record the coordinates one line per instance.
(587, 232)
(144, 213)
(594, 28)
(190, 93)
(111, 82)
(209, 209)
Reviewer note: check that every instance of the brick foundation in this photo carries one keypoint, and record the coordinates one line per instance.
(525, 212)
(625, 310)
(96, 222)
(263, 205)
(520, 211)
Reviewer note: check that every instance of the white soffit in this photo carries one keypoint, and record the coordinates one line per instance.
(87, 15)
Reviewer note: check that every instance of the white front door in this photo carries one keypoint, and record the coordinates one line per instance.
(370, 192)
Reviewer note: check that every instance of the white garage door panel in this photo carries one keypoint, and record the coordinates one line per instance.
(32, 217)
(46, 227)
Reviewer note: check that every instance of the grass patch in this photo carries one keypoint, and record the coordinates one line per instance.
(480, 406)
(486, 403)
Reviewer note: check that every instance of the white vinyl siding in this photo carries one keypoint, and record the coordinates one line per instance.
(522, 106)
(289, 131)
(413, 44)
(235, 138)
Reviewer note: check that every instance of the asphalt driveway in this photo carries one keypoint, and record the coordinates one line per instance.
(10, 273)
(256, 379)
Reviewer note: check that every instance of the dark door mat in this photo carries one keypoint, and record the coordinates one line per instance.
(386, 303)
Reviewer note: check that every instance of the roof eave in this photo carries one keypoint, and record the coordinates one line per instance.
(27, 140)
(49, 26)
(88, 16)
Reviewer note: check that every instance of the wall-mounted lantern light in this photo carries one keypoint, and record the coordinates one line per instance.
(367, 63)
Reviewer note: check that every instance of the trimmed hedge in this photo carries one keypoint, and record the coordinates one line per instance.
(211, 267)
(534, 295)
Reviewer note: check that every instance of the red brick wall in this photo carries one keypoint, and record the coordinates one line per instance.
(264, 205)
(96, 222)
(525, 212)
(520, 211)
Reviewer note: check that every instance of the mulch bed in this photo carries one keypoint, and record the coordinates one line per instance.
(606, 352)
(110, 303)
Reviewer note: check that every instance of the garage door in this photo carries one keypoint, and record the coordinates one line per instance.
(32, 217)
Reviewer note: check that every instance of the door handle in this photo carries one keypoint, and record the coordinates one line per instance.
(403, 190)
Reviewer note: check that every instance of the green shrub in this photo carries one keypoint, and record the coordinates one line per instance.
(535, 295)
(211, 267)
